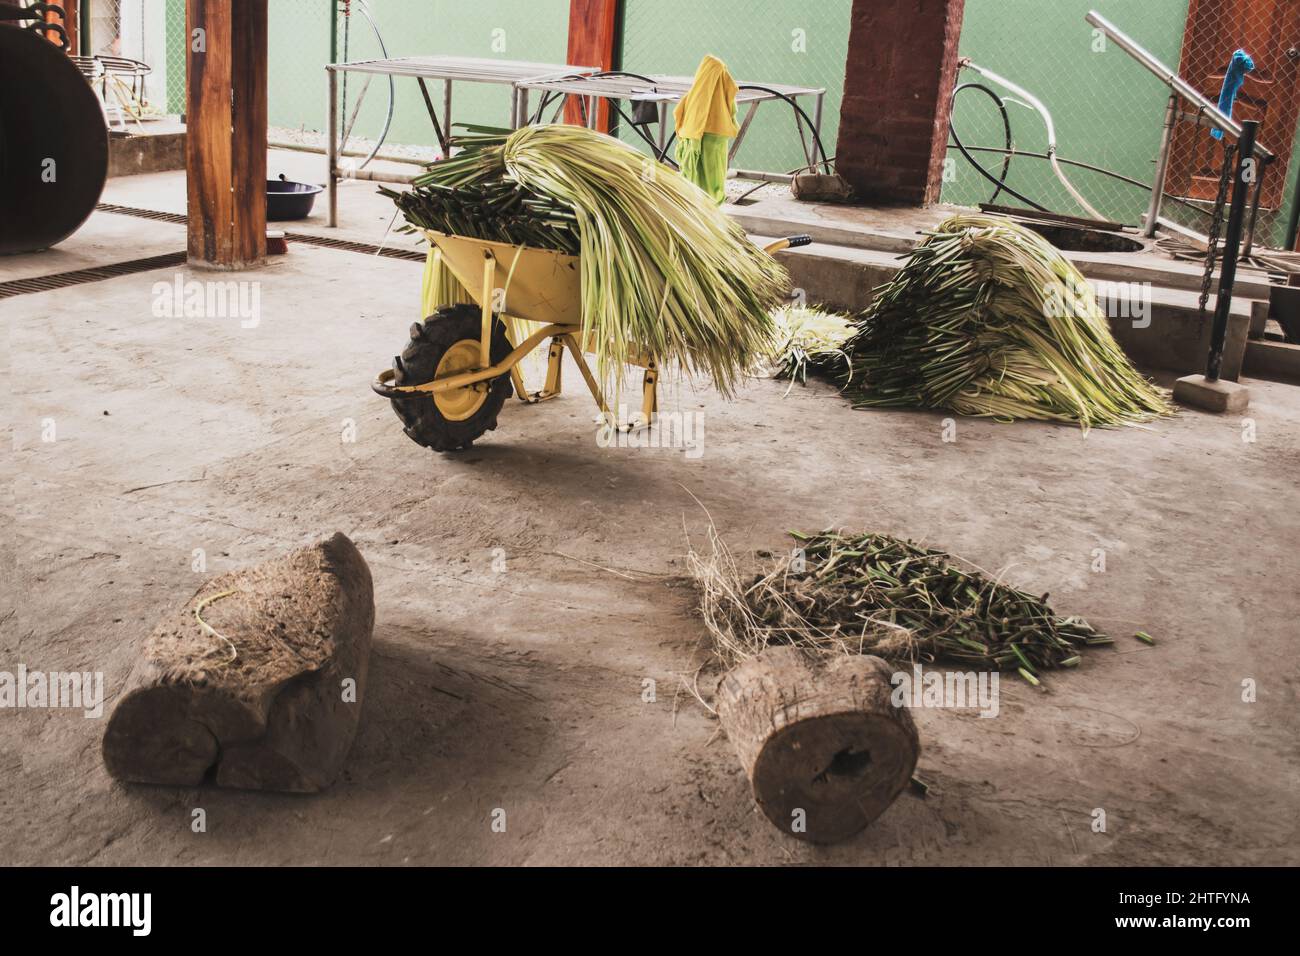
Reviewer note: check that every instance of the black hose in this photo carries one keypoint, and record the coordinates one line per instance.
(1129, 180)
(614, 102)
(799, 112)
(1009, 151)
(550, 96)
(1006, 129)
(1001, 184)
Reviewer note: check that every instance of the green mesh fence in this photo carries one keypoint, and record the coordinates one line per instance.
(1108, 110)
(761, 41)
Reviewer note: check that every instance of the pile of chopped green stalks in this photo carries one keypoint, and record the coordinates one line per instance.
(987, 318)
(876, 594)
(664, 271)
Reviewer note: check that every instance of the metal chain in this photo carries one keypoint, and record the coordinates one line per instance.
(1216, 223)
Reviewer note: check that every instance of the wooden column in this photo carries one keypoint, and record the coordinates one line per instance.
(901, 69)
(69, 22)
(592, 26)
(225, 145)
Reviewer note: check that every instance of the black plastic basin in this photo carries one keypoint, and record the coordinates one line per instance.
(289, 200)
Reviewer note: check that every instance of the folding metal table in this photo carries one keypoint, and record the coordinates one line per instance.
(663, 91)
(449, 69)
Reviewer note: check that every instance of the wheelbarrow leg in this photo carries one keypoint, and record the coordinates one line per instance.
(554, 376)
(590, 379)
(554, 370)
(649, 388)
(485, 304)
(649, 394)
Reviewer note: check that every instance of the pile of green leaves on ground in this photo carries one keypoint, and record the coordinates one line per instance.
(987, 318)
(808, 339)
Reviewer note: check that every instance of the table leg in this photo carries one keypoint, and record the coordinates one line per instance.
(433, 115)
(331, 154)
(817, 122)
(523, 107)
(663, 129)
(446, 114)
(744, 128)
(805, 143)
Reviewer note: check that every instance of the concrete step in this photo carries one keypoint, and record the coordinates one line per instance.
(897, 231)
(155, 145)
(1277, 361)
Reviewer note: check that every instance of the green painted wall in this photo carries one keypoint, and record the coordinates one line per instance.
(1107, 109)
(535, 30)
(762, 41)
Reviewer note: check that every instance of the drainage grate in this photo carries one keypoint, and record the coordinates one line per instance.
(61, 280)
(342, 245)
(172, 217)
(346, 245)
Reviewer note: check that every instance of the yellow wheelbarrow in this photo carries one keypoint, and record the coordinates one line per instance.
(449, 384)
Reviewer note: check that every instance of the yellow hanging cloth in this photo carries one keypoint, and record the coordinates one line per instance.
(709, 106)
(706, 120)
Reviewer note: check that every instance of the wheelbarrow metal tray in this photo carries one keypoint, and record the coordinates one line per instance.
(541, 285)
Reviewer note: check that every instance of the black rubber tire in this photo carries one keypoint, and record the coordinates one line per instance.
(423, 423)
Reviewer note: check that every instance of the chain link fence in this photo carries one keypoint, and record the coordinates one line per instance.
(1108, 111)
(303, 40)
(1268, 33)
(151, 31)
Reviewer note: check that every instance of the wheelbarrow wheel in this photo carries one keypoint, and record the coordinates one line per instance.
(446, 343)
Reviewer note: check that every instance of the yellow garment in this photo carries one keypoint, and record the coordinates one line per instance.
(709, 106)
(703, 161)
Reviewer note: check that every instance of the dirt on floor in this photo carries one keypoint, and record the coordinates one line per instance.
(534, 623)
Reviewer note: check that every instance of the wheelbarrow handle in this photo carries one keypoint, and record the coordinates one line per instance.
(383, 385)
(789, 242)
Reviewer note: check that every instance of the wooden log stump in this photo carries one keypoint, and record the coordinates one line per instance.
(825, 749)
(265, 692)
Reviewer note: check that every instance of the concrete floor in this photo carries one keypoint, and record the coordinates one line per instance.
(522, 689)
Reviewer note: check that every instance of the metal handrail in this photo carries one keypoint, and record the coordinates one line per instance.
(1171, 79)
(1180, 87)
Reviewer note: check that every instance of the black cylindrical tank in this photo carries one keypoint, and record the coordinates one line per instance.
(53, 143)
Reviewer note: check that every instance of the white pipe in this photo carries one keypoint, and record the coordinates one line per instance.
(1038, 106)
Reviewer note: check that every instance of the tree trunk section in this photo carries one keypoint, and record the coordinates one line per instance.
(279, 712)
(824, 748)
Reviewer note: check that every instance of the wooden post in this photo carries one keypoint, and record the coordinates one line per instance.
(825, 748)
(69, 21)
(225, 116)
(591, 43)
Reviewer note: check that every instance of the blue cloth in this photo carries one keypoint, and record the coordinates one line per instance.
(1232, 79)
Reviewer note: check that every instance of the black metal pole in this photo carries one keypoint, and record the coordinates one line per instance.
(1293, 227)
(1232, 245)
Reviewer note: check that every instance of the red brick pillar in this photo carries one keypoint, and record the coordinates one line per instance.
(902, 66)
